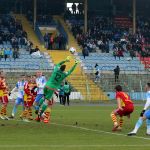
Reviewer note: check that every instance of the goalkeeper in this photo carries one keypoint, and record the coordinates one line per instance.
(58, 75)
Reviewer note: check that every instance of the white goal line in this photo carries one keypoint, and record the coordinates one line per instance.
(67, 146)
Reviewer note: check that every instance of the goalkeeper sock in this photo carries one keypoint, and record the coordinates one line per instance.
(41, 102)
(148, 125)
(121, 122)
(47, 117)
(138, 125)
(44, 107)
(114, 119)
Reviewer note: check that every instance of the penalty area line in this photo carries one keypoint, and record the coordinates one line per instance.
(92, 130)
(100, 131)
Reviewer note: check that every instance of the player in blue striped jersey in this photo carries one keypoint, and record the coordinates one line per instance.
(145, 114)
(40, 81)
(20, 94)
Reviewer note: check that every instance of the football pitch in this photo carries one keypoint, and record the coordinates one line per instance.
(86, 127)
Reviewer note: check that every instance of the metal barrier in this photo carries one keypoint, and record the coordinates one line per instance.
(30, 66)
(5, 66)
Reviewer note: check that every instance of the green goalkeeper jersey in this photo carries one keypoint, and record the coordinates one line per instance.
(58, 76)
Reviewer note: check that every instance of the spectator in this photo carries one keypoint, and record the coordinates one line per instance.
(29, 45)
(74, 8)
(56, 41)
(1, 54)
(115, 53)
(116, 73)
(9, 52)
(67, 14)
(1, 40)
(97, 75)
(80, 8)
(67, 91)
(22, 41)
(5, 54)
(96, 67)
(15, 53)
(61, 94)
(34, 50)
(51, 42)
(132, 54)
(46, 38)
(85, 52)
(120, 53)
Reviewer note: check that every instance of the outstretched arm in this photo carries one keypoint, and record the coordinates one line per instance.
(64, 61)
(61, 63)
(72, 69)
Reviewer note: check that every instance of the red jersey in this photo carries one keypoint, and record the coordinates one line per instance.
(29, 95)
(3, 88)
(125, 98)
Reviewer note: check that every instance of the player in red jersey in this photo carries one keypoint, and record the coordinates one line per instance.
(3, 97)
(125, 108)
(29, 96)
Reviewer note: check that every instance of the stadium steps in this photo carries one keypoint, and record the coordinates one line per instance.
(30, 31)
(71, 40)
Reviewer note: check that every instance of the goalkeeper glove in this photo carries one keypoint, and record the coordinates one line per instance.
(142, 113)
(68, 59)
(77, 62)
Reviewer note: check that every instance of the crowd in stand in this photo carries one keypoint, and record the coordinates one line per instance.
(104, 36)
(13, 38)
(55, 42)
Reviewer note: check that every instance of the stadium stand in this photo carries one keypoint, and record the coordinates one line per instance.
(104, 38)
(123, 22)
(27, 62)
(14, 41)
(78, 80)
(107, 62)
(101, 50)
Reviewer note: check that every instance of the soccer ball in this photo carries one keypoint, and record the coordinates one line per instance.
(72, 50)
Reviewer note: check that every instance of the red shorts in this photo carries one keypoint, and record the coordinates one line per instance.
(28, 103)
(127, 110)
(4, 99)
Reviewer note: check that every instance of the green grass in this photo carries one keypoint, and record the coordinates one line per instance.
(18, 135)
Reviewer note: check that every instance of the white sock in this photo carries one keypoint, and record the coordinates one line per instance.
(148, 126)
(138, 125)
